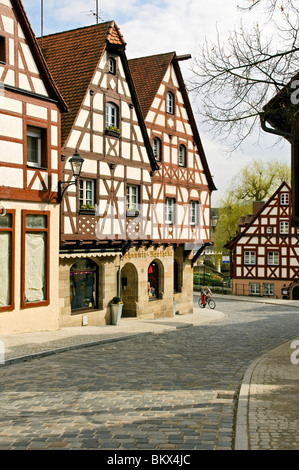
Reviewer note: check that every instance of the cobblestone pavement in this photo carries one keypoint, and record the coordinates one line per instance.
(174, 390)
(273, 410)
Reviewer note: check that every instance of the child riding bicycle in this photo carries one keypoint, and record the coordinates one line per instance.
(205, 293)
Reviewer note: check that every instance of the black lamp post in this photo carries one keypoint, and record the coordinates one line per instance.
(76, 163)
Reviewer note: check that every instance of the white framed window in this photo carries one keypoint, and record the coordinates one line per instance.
(169, 102)
(268, 288)
(194, 212)
(284, 199)
(34, 146)
(182, 155)
(249, 257)
(111, 116)
(86, 193)
(268, 230)
(254, 288)
(169, 210)
(132, 197)
(284, 227)
(157, 148)
(273, 258)
(112, 65)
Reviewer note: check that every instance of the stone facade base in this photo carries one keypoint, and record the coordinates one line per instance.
(148, 281)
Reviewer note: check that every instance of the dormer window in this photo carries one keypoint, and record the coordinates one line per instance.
(112, 65)
(169, 103)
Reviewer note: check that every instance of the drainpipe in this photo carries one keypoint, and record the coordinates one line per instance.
(293, 138)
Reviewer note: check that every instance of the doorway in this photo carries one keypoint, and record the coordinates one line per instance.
(296, 293)
(129, 286)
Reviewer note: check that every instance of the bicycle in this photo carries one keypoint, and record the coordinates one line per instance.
(208, 301)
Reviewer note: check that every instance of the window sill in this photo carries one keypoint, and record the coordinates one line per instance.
(87, 212)
(43, 303)
(132, 214)
(112, 133)
(85, 310)
(8, 308)
(37, 167)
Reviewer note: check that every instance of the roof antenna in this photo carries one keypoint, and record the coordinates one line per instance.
(42, 22)
(96, 12)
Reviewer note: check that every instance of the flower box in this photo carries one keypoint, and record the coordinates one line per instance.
(113, 131)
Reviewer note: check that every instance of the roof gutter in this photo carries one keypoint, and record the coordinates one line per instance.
(270, 130)
(293, 139)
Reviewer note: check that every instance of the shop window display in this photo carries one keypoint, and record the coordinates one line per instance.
(83, 281)
(153, 281)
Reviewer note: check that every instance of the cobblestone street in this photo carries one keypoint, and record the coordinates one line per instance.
(174, 391)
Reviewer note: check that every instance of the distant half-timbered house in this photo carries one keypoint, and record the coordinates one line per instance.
(265, 254)
(183, 185)
(30, 108)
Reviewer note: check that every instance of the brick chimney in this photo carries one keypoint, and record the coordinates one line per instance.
(256, 206)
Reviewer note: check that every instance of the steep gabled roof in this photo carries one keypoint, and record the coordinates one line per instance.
(72, 57)
(44, 71)
(148, 73)
(230, 244)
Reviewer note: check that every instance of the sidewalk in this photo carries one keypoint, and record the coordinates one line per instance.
(26, 346)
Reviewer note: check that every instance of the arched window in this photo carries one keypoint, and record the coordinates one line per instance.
(153, 281)
(111, 116)
(83, 284)
(169, 103)
(112, 65)
(157, 147)
(182, 155)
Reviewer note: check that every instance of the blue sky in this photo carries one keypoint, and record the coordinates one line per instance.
(158, 26)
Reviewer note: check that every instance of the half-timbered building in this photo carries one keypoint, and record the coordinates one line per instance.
(109, 211)
(183, 185)
(30, 108)
(112, 235)
(265, 255)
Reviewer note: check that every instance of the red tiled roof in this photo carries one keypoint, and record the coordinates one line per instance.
(72, 57)
(148, 73)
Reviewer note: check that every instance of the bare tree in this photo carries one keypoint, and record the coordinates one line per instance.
(236, 78)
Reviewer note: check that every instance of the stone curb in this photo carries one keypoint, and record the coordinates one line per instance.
(241, 441)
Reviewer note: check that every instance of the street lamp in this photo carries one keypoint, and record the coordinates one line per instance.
(76, 163)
